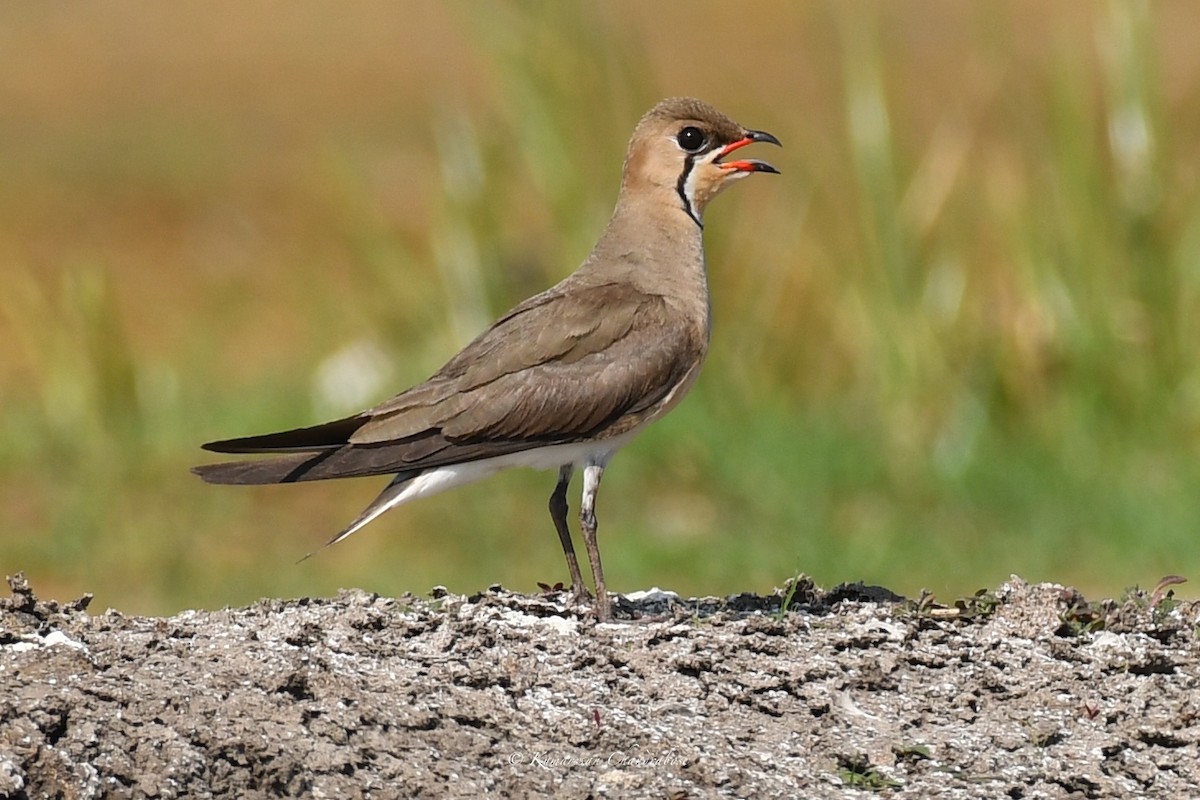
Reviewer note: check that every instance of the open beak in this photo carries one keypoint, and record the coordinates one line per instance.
(749, 164)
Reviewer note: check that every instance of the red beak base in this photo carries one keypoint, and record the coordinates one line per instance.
(749, 164)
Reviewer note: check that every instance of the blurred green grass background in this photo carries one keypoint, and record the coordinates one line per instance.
(955, 340)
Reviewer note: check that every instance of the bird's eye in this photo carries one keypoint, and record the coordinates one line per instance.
(691, 139)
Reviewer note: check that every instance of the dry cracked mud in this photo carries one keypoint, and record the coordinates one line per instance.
(1029, 691)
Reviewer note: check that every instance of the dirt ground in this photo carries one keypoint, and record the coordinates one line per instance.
(1026, 692)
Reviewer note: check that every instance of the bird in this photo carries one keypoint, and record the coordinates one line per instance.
(567, 377)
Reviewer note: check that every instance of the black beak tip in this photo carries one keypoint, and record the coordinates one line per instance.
(763, 136)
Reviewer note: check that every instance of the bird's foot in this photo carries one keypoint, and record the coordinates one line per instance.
(603, 605)
(604, 610)
(580, 596)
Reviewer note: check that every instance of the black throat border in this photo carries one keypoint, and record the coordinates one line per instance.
(680, 187)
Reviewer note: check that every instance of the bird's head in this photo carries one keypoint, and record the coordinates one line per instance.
(682, 146)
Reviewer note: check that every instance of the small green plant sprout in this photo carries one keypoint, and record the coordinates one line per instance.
(925, 605)
(1078, 618)
(911, 751)
(980, 605)
(857, 772)
(1162, 598)
(797, 584)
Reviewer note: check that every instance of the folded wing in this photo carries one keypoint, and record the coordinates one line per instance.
(595, 368)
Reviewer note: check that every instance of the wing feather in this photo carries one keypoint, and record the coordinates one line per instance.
(601, 364)
(592, 357)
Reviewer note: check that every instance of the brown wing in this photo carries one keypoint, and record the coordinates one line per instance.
(552, 370)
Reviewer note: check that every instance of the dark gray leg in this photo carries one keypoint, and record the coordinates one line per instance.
(587, 522)
(558, 513)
